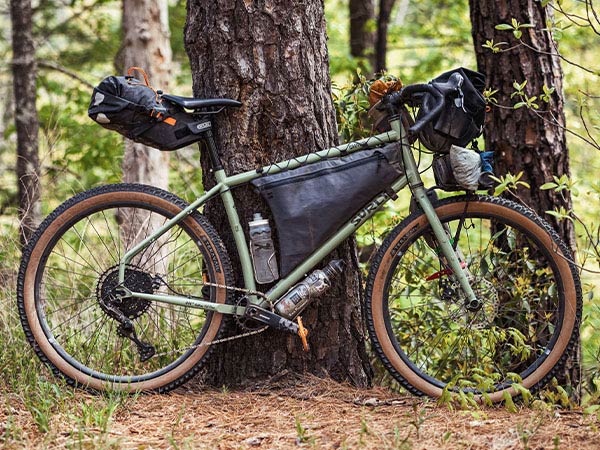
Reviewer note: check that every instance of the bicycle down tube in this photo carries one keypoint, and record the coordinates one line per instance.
(225, 183)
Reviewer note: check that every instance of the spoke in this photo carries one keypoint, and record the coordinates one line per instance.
(93, 340)
(72, 272)
(171, 238)
(114, 241)
(69, 304)
(63, 255)
(101, 240)
(452, 349)
(85, 327)
(82, 240)
(72, 317)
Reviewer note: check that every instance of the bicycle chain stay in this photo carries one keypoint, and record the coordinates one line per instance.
(226, 339)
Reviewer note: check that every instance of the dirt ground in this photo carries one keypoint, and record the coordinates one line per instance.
(311, 413)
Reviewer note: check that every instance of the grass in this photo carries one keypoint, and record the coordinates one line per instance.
(27, 388)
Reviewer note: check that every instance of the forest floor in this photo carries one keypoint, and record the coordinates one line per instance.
(307, 413)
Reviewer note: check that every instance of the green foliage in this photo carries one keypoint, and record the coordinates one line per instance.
(509, 182)
(351, 103)
(514, 26)
(302, 435)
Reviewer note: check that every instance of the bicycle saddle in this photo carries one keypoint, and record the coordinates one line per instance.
(199, 103)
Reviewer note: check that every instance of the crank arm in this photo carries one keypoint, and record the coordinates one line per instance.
(272, 319)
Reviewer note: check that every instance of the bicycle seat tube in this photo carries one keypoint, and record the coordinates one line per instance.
(232, 215)
(420, 194)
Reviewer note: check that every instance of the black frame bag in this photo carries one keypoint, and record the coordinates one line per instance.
(310, 203)
(463, 115)
(135, 110)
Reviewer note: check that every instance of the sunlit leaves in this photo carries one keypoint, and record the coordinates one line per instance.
(514, 26)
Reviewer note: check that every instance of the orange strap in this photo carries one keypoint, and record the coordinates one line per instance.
(146, 83)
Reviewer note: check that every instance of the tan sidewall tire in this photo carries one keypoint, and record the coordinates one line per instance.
(452, 209)
(29, 292)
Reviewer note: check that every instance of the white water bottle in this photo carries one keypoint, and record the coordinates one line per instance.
(262, 250)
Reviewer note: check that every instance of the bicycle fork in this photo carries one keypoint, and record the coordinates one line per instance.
(457, 267)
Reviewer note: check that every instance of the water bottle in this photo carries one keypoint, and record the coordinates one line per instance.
(262, 250)
(298, 298)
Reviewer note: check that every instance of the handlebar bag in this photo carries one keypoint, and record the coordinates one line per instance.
(136, 111)
(310, 203)
(463, 115)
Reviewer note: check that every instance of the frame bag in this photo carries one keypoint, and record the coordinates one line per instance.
(310, 203)
(135, 110)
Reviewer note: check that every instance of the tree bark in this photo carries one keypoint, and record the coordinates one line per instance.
(146, 44)
(524, 140)
(383, 21)
(273, 57)
(362, 38)
(24, 70)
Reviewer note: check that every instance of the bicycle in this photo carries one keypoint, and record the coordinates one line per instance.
(472, 293)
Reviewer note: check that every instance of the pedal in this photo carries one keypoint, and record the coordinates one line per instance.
(302, 332)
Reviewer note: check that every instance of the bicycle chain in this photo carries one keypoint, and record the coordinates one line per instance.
(229, 338)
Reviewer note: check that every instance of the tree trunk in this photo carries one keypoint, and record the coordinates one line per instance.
(26, 118)
(273, 57)
(361, 35)
(523, 140)
(146, 44)
(383, 21)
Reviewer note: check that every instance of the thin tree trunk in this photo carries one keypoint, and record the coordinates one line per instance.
(273, 57)
(383, 21)
(146, 44)
(524, 140)
(26, 117)
(362, 38)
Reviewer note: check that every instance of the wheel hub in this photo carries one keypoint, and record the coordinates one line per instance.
(136, 280)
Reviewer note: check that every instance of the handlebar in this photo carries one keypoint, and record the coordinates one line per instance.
(407, 93)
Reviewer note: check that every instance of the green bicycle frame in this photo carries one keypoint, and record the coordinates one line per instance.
(225, 183)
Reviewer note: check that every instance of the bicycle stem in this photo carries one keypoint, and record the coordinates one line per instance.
(420, 195)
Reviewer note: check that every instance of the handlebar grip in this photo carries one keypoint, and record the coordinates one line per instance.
(408, 91)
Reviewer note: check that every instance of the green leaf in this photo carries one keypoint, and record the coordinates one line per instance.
(547, 186)
(520, 105)
(518, 34)
(508, 402)
(591, 409)
(504, 26)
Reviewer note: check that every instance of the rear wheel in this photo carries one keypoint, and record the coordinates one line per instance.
(69, 276)
(527, 321)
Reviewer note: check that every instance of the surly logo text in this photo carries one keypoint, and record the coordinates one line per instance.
(369, 209)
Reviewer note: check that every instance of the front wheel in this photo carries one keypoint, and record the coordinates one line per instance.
(522, 330)
(69, 277)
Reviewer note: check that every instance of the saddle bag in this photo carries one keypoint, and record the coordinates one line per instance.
(135, 110)
(310, 203)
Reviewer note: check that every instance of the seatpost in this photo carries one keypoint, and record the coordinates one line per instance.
(213, 154)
